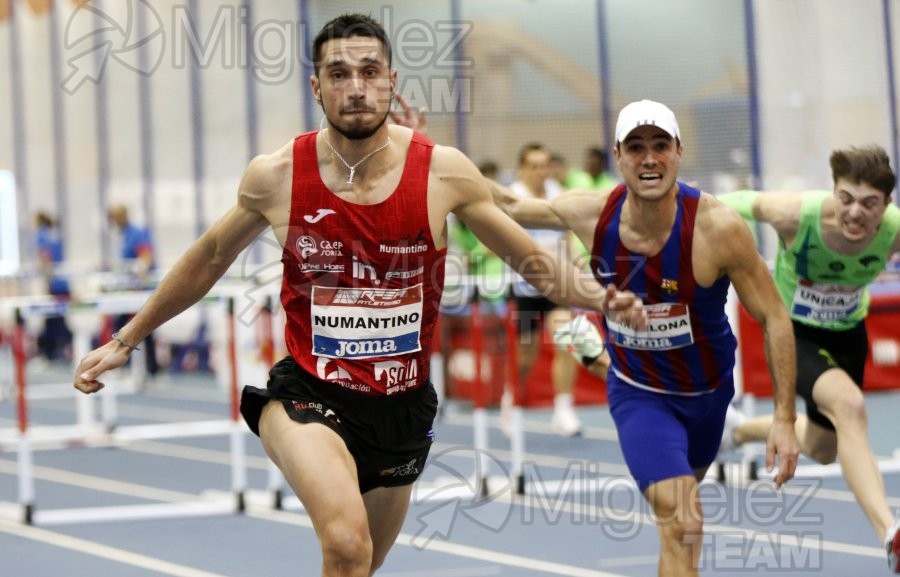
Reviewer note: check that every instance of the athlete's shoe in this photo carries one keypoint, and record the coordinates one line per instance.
(733, 419)
(580, 337)
(565, 422)
(892, 546)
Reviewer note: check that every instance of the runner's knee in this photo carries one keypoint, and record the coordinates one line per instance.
(850, 411)
(682, 527)
(347, 545)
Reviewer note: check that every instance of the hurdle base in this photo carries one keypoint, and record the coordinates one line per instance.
(203, 507)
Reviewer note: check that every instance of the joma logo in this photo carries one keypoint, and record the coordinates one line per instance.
(370, 348)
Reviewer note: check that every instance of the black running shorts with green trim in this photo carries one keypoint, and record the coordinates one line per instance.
(820, 350)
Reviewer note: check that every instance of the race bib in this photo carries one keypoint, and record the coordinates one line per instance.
(363, 323)
(669, 328)
(824, 302)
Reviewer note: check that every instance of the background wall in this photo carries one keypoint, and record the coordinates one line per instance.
(161, 105)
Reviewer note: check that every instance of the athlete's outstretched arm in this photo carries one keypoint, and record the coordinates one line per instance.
(779, 209)
(558, 279)
(528, 212)
(190, 279)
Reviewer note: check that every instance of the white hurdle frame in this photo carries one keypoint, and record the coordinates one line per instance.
(470, 287)
(748, 466)
(87, 432)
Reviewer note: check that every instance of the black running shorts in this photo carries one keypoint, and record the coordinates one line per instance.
(819, 350)
(388, 436)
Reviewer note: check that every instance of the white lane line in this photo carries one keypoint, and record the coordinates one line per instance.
(167, 415)
(197, 454)
(104, 484)
(596, 513)
(630, 561)
(103, 551)
(407, 540)
(460, 572)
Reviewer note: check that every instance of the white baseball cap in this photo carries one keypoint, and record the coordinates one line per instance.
(642, 113)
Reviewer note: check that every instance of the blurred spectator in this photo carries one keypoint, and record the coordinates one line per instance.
(538, 315)
(481, 263)
(559, 169)
(138, 262)
(489, 169)
(55, 340)
(137, 245)
(594, 176)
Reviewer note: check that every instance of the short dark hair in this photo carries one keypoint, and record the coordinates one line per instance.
(348, 26)
(527, 148)
(44, 219)
(868, 164)
(597, 152)
(489, 168)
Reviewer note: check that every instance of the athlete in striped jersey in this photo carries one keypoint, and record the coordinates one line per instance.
(669, 386)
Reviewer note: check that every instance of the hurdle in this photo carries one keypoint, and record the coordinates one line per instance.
(275, 484)
(465, 290)
(88, 432)
(748, 465)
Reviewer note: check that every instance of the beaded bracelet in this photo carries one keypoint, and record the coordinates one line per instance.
(118, 339)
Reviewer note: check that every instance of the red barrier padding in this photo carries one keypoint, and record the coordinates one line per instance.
(883, 325)
(499, 366)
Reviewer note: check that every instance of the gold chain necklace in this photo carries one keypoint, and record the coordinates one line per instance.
(352, 168)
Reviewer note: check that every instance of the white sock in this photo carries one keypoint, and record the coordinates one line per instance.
(563, 401)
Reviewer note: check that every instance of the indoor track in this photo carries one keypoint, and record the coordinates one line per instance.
(579, 516)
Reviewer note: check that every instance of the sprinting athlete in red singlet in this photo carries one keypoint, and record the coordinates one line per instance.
(359, 290)
(360, 210)
(360, 280)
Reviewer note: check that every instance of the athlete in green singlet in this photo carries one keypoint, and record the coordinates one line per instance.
(832, 245)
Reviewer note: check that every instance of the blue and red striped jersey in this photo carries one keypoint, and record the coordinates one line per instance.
(689, 347)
